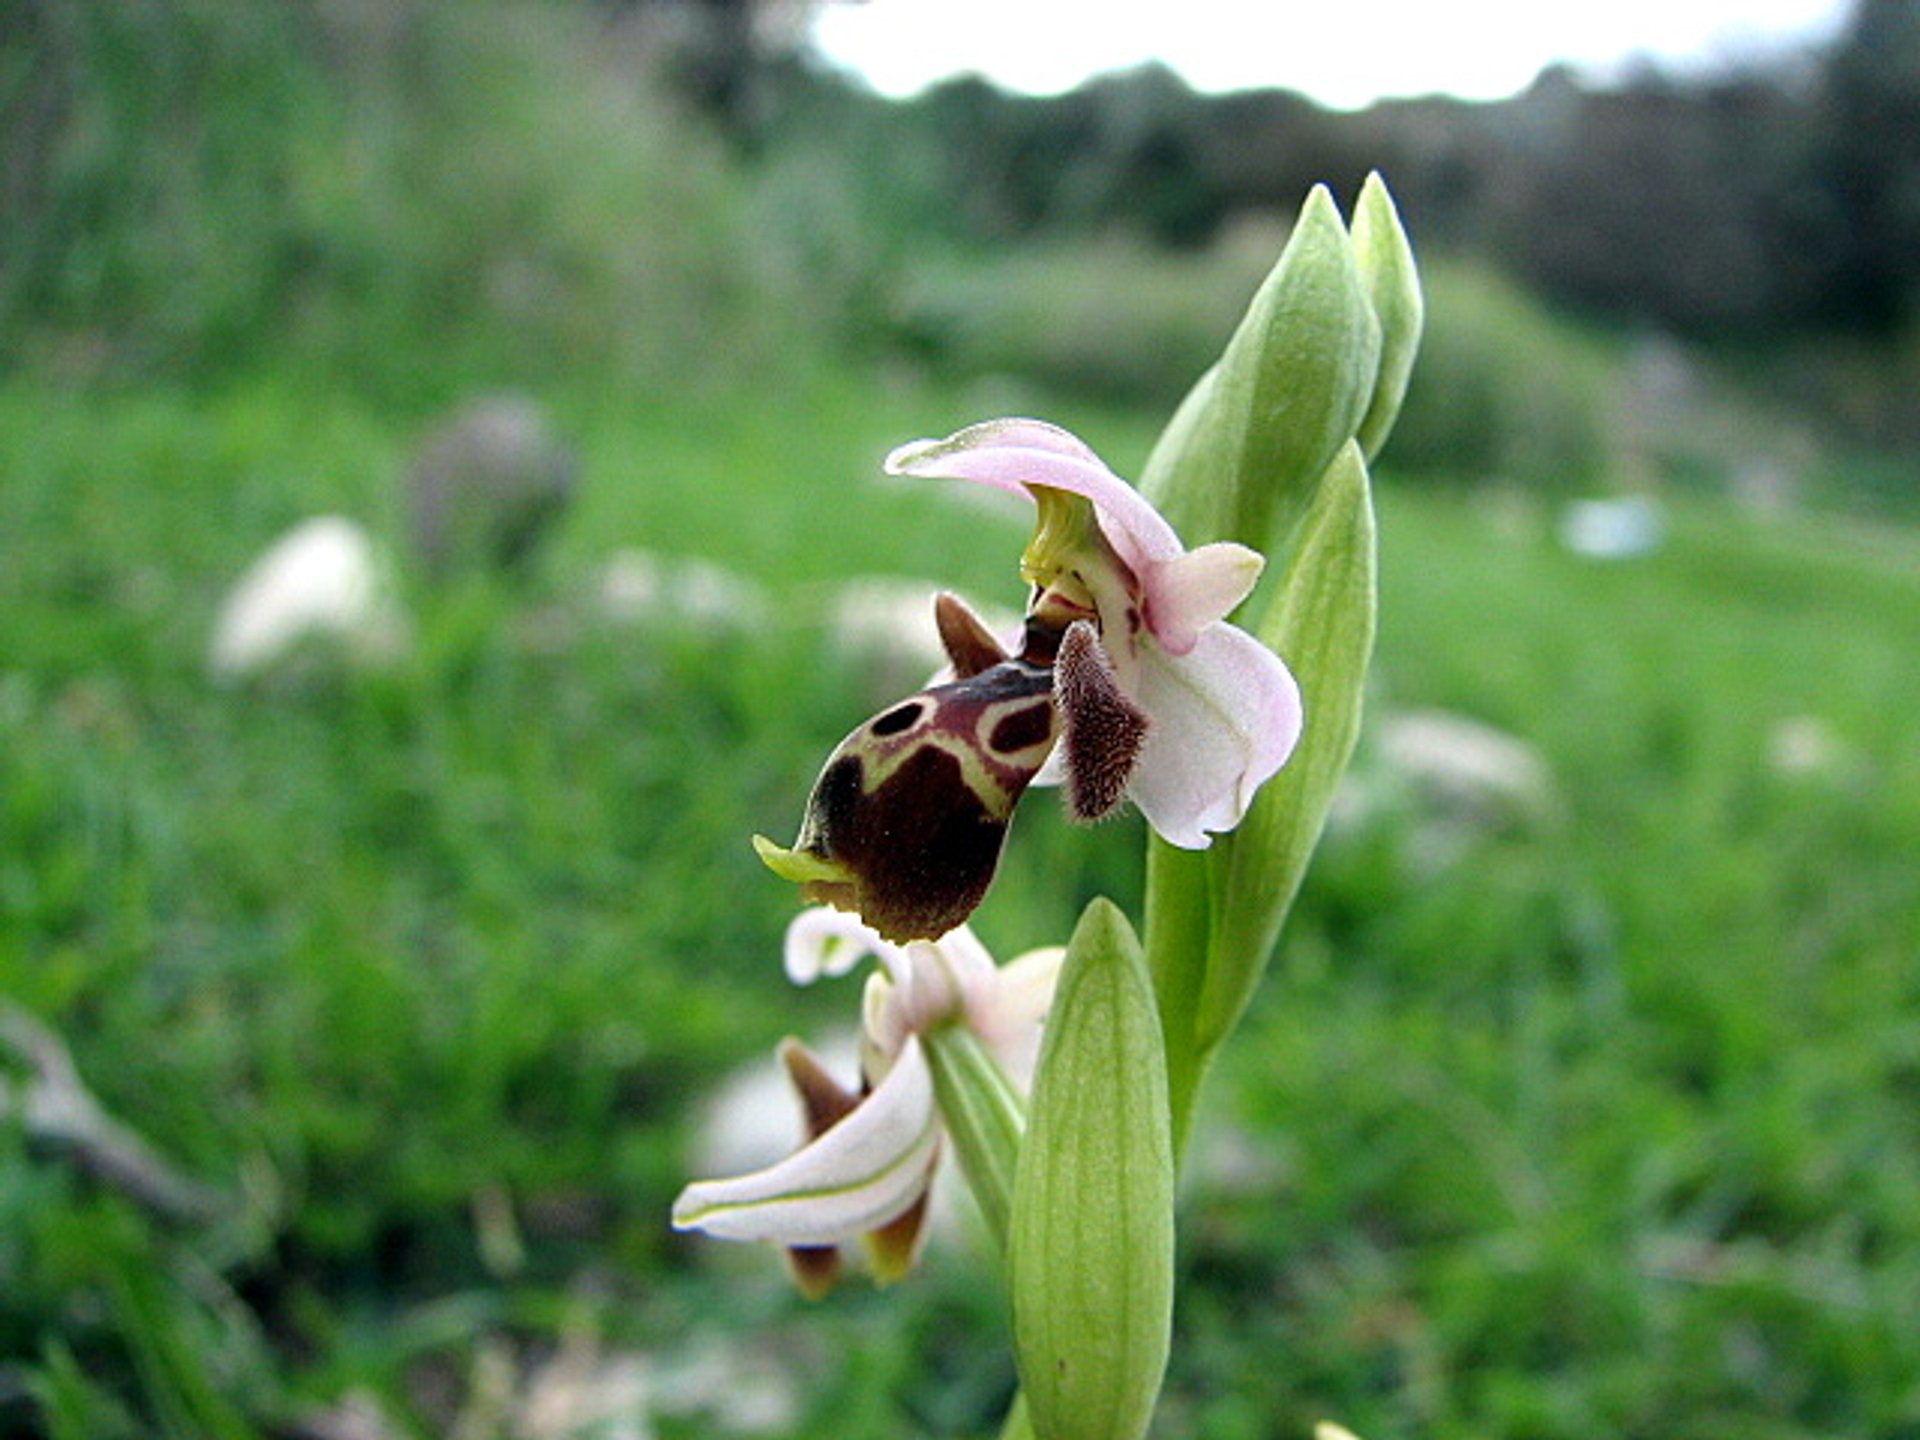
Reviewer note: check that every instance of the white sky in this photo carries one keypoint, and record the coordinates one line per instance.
(1344, 53)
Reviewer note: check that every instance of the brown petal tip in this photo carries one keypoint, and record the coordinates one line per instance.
(969, 644)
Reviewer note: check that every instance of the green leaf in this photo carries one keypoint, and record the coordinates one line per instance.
(1090, 1249)
(1392, 283)
(1322, 619)
(1241, 456)
(984, 1119)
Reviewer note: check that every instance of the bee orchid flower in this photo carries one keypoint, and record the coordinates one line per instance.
(872, 1151)
(1145, 631)
(1129, 683)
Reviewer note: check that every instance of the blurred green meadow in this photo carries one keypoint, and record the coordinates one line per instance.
(1583, 1097)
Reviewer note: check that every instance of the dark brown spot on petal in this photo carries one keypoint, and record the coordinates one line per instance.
(1022, 729)
(901, 717)
(1101, 729)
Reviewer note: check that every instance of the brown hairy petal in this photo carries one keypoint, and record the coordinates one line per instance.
(969, 644)
(1101, 729)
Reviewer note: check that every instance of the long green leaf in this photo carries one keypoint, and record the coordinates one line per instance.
(1322, 619)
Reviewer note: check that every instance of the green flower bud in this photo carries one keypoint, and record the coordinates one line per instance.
(1393, 286)
(1242, 455)
(1090, 1248)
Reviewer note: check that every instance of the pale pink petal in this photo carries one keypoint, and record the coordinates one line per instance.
(932, 982)
(1189, 592)
(964, 965)
(1008, 1021)
(822, 941)
(1012, 454)
(1225, 717)
(884, 1030)
(854, 1178)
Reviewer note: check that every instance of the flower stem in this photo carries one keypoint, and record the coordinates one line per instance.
(1178, 930)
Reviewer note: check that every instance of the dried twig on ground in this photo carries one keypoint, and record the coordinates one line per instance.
(59, 1111)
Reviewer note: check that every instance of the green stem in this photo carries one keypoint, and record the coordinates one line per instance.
(984, 1116)
(1178, 930)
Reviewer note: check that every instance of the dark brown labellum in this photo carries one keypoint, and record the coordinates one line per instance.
(912, 808)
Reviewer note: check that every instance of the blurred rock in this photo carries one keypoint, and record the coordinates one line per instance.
(637, 586)
(321, 582)
(1769, 485)
(1805, 745)
(356, 1416)
(735, 1388)
(486, 485)
(584, 1391)
(1444, 780)
(1621, 529)
(884, 624)
(1465, 769)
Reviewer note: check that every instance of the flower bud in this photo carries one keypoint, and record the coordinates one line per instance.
(1242, 455)
(1393, 287)
(1090, 1246)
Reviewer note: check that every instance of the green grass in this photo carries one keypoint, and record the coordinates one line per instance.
(1607, 1126)
(1601, 1123)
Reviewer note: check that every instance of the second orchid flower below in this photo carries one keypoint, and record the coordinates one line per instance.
(1129, 683)
(873, 1150)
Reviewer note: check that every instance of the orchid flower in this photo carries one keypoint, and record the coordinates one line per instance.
(1129, 682)
(872, 1152)
(1145, 630)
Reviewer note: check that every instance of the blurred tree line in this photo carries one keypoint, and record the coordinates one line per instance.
(184, 177)
(1785, 195)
